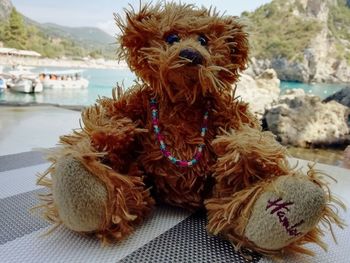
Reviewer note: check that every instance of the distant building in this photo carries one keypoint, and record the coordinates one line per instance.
(17, 52)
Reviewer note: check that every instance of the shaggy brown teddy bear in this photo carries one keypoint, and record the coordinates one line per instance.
(180, 137)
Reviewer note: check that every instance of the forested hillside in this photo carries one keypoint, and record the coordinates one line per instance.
(52, 40)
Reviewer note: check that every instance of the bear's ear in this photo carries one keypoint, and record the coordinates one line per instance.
(237, 40)
(135, 29)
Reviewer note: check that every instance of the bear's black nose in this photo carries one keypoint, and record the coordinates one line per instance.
(193, 55)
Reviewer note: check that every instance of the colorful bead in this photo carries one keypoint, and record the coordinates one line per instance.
(166, 153)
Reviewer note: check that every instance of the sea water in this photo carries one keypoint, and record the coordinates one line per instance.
(102, 81)
(322, 90)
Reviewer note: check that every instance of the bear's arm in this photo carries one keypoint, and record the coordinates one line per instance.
(245, 153)
(112, 126)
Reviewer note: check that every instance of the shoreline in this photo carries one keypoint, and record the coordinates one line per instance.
(8, 61)
(40, 104)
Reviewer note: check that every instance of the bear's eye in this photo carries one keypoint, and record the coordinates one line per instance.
(203, 40)
(172, 38)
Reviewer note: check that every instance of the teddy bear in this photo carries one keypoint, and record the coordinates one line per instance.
(180, 137)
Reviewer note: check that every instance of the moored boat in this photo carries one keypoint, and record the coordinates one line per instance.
(67, 79)
(2, 84)
(23, 80)
(2, 81)
(25, 84)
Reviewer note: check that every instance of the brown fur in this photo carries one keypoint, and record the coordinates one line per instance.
(118, 144)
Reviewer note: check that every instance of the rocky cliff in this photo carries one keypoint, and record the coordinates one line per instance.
(296, 118)
(342, 96)
(305, 121)
(260, 92)
(302, 40)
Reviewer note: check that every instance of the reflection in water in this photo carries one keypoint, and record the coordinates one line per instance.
(326, 156)
(26, 128)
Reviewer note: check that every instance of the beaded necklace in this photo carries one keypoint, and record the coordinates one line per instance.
(160, 138)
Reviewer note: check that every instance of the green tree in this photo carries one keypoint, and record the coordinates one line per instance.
(2, 31)
(15, 34)
(96, 54)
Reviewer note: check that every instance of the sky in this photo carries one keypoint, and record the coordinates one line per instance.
(99, 13)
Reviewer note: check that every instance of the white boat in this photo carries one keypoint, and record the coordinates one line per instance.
(24, 81)
(2, 80)
(25, 84)
(2, 84)
(67, 79)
